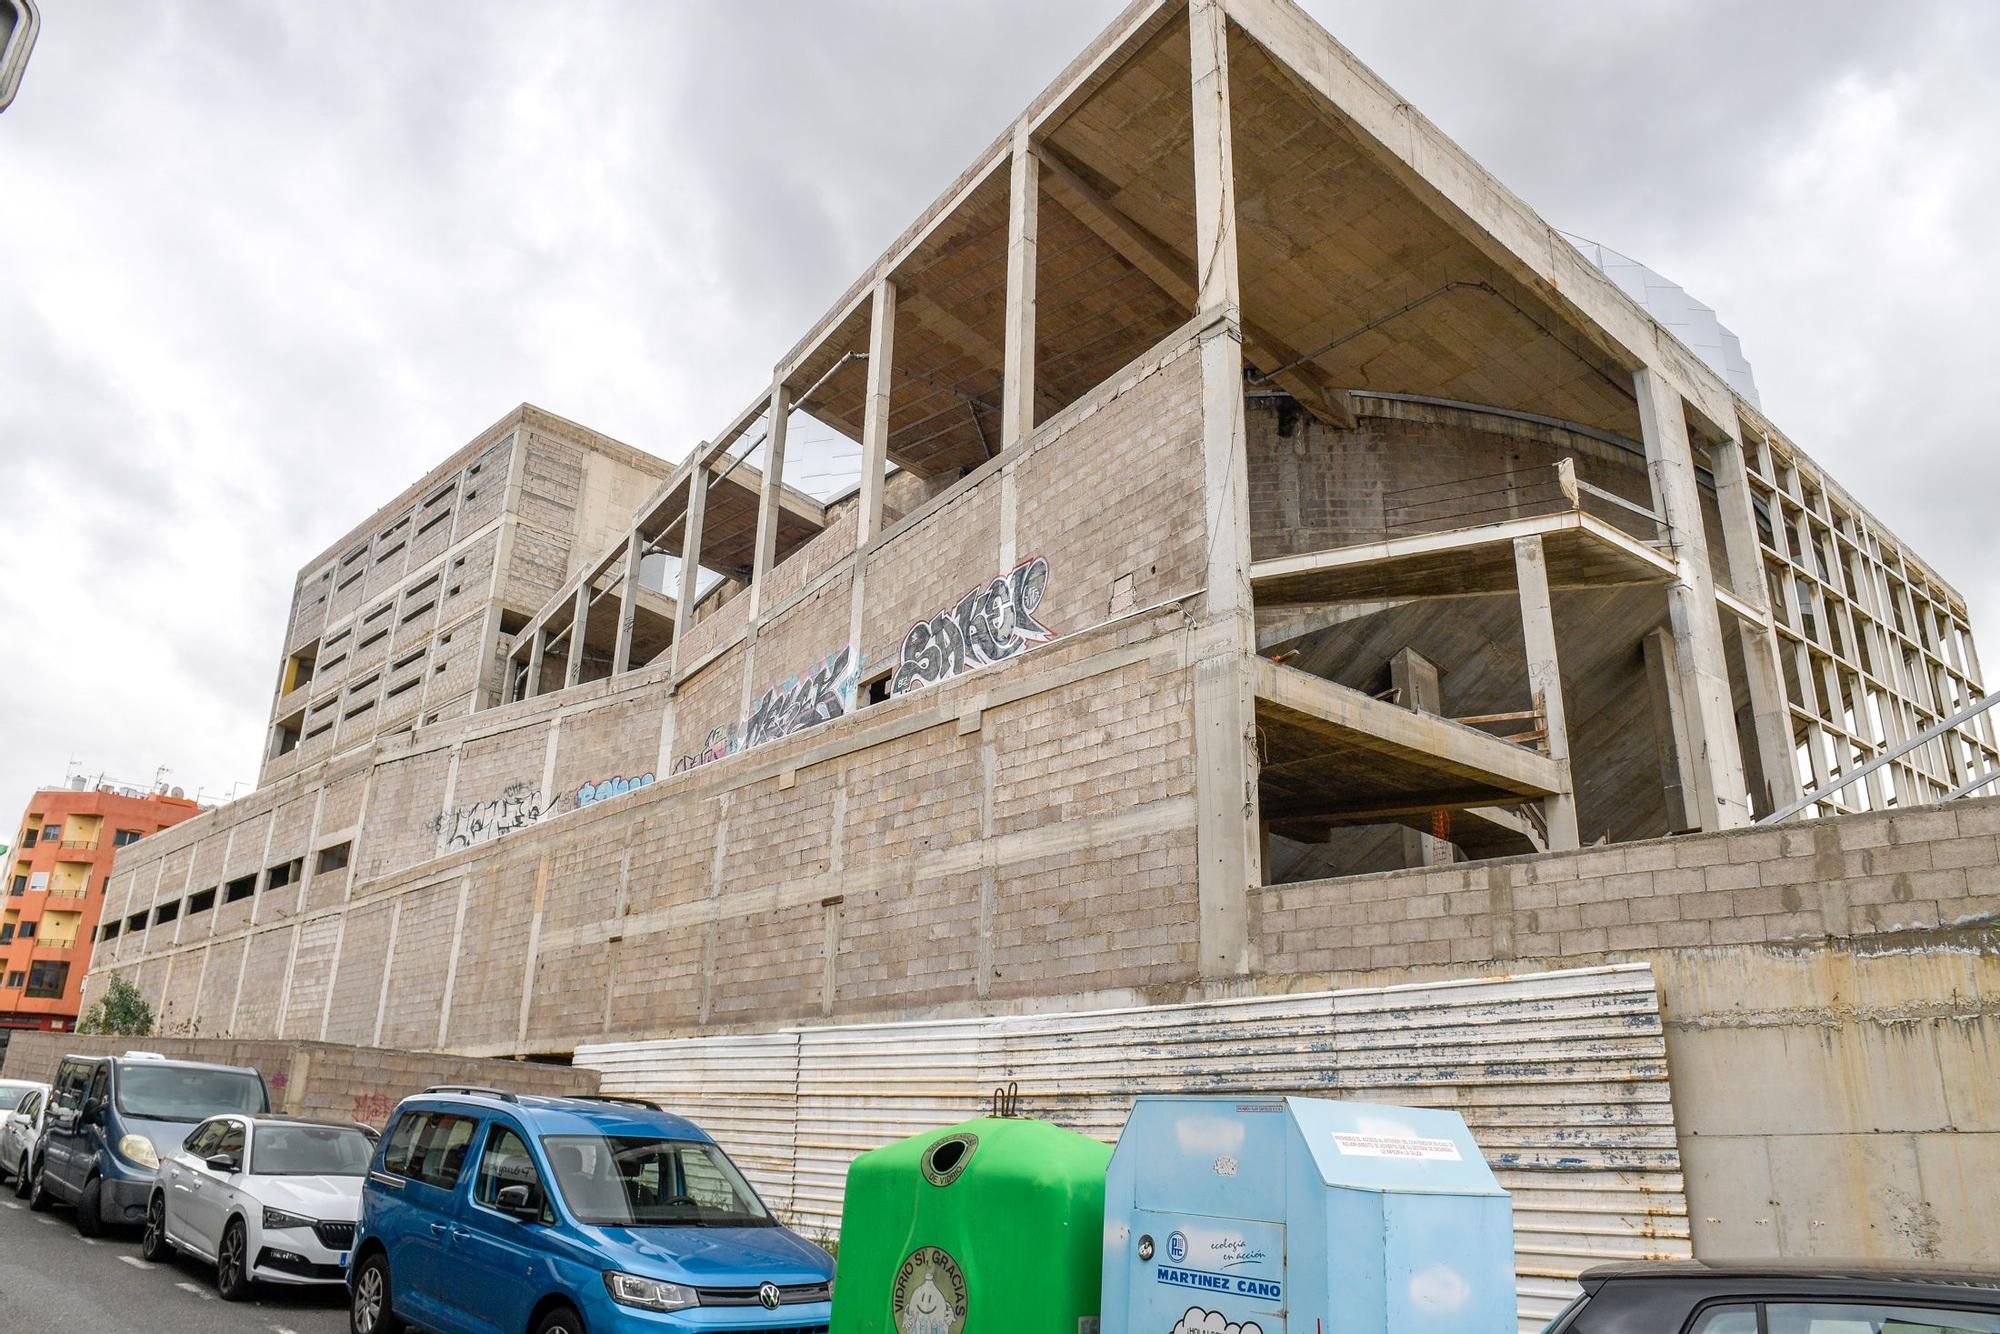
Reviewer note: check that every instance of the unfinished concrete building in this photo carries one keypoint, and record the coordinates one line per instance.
(1274, 559)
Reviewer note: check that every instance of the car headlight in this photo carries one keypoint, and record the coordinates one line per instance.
(277, 1220)
(647, 1293)
(138, 1149)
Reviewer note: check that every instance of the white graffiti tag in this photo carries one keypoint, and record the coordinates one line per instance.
(992, 623)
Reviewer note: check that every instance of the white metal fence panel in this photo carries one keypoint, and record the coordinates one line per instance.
(741, 1089)
(1561, 1076)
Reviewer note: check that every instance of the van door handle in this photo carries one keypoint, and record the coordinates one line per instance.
(460, 1233)
(439, 1229)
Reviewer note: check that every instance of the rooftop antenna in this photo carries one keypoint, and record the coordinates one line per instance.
(160, 778)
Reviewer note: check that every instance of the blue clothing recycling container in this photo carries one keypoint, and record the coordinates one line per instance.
(1232, 1215)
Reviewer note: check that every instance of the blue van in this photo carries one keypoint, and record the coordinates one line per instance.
(111, 1119)
(487, 1212)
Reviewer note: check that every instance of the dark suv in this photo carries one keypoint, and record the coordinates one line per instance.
(1783, 1297)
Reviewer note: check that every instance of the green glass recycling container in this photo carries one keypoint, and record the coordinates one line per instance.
(995, 1226)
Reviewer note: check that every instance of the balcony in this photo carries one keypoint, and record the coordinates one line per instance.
(78, 845)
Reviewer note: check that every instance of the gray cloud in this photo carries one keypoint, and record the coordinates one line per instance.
(268, 263)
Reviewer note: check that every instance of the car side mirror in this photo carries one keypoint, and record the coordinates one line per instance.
(522, 1201)
(221, 1162)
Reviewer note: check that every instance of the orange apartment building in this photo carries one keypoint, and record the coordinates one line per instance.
(55, 879)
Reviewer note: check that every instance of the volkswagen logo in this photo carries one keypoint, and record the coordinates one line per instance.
(767, 1296)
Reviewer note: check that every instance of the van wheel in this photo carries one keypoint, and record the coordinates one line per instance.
(88, 1210)
(153, 1245)
(369, 1307)
(39, 1198)
(562, 1320)
(232, 1263)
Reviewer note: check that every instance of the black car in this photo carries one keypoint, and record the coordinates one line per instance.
(1782, 1297)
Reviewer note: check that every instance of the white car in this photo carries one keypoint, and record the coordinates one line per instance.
(21, 1106)
(266, 1198)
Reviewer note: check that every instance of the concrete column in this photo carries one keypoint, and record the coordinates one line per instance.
(697, 512)
(1214, 165)
(1415, 678)
(1720, 800)
(1017, 392)
(628, 599)
(1545, 686)
(875, 413)
(536, 652)
(1677, 777)
(771, 500)
(1228, 848)
(579, 624)
(1779, 785)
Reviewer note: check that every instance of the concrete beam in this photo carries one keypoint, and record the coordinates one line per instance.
(1720, 796)
(628, 596)
(1758, 637)
(1017, 392)
(690, 581)
(875, 414)
(579, 627)
(1450, 747)
(1168, 271)
(536, 653)
(1677, 778)
(1415, 678)
(770, 496)
(1495, 220)
(1229, 853)
(1538, 629)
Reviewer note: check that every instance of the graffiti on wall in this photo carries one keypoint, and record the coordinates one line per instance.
(517, 807)
(992, 623)
(606, 788)
(717, 746)
(817, 695)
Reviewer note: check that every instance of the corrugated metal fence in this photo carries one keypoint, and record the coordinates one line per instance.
(1562, 1077)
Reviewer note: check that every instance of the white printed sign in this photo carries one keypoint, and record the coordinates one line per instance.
(1397, 1146)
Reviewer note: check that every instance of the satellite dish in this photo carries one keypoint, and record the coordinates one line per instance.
(177, 792)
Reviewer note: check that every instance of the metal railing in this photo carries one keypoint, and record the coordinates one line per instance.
(1991, 778)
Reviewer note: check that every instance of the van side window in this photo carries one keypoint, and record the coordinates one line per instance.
(440, 1155)
(430, 1147)
(100, 1083)
(397, 1157)
(69, 1084)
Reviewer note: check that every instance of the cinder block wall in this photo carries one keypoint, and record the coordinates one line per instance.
(1020, 830)
(316, 1079)
(1882, 875)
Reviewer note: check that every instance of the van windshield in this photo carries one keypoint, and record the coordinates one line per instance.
(642, 1181)
(186, 1093)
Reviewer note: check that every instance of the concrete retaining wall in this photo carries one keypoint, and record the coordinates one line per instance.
(319, 1079)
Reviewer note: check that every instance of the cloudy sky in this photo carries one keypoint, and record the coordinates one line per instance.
(262, 264)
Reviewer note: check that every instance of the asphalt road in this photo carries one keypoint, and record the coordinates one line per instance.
(52, 1279)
